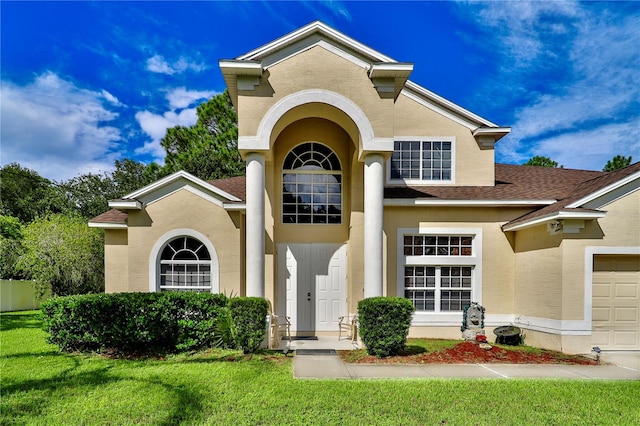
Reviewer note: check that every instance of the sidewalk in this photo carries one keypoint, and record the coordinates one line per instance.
(321, 364)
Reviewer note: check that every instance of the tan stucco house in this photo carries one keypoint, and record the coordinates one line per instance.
(359, 183)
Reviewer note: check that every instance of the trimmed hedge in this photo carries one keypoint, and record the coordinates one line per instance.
(248, 315)
(384, 324)
(131, 322)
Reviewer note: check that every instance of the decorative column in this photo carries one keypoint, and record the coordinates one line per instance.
(254, 244)
(373, 216)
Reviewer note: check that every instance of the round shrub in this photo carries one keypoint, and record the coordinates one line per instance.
(384, 324)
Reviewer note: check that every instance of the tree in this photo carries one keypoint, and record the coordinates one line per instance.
(539, 160)
(89, 194)
(63, 255)
(617, 162)
(27, 195)
(10, 246)
(208, 149)
(131, 175)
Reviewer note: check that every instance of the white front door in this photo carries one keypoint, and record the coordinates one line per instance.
(312, 281)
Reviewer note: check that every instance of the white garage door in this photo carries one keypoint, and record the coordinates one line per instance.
(616, 302)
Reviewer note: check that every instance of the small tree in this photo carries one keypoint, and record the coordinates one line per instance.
(539, 160)
(63, 255)
(10, 246)
(617, 162)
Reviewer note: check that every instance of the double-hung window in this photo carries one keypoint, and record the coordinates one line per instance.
(439, 270)
(422, 160)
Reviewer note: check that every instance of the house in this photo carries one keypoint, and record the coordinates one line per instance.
(360, 183)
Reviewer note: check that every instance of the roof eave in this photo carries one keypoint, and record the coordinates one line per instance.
(561, 215)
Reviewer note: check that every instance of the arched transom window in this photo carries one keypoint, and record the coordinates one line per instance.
(311, 185)
(185, 265)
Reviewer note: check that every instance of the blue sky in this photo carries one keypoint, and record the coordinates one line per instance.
(86, 83)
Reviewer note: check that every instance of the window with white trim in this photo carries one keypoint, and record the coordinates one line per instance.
(311, 185)
(185, 265)
(420, 160)
(438, 271)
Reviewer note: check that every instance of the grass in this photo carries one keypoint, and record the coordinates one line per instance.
(40, 385)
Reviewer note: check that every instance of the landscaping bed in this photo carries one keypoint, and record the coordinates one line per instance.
(426, 351)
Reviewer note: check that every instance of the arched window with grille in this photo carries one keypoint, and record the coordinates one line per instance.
(312, 185)
(185, 265)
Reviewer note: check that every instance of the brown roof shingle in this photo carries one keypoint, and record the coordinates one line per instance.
(111, 216)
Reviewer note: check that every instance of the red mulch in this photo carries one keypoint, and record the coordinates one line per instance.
(471, 353)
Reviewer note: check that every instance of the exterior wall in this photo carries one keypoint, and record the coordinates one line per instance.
(498, 260)
(473, 166)
(550, 280)
(116, 261)
(538, 280)
(315, 68)
(184, 209)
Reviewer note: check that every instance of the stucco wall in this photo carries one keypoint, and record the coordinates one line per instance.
(184, 209)
(116, 261)
(473, 166)
(316, 68)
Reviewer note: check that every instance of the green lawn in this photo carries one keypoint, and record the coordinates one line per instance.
(42, 386)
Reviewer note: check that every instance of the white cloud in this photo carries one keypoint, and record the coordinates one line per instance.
(155, 125)
(180, 97)
(570, 71)
(160, 65)
(56, 128)
(109, 97)
(592, 148)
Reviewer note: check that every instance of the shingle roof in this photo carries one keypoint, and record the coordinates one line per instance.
(235, 186)
(512, 183)
(579, 191)
(112, 216)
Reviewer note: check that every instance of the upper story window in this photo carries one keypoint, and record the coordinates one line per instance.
(311, 185)
(422, 160)
(185, 265)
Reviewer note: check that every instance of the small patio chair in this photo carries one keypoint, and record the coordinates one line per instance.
(279, 326)
(349, 325)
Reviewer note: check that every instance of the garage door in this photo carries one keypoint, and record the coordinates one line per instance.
(616, 302)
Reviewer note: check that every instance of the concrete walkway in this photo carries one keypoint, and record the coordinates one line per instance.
(319, 360)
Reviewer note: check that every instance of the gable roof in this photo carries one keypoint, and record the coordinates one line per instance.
(253, 63)
(579, 202)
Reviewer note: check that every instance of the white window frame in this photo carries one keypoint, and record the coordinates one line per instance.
(446, 318)
(156, 252)
(421, 139)
(323, 172)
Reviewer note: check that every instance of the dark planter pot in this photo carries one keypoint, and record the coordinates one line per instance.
(508, 335)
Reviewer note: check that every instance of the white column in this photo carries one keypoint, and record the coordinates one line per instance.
(373, 216)
(254, 244)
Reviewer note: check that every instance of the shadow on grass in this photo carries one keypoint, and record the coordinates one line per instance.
(16, 320)
(183, 405)
(413, 350)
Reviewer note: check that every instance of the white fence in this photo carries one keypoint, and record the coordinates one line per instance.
(16, 295)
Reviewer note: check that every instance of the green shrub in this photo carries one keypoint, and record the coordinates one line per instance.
(128, 322)
(384, 324)
(249, 327)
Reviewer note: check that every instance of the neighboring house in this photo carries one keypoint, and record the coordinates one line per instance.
(362, 183)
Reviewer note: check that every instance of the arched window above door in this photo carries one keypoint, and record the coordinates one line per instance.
(312, 185)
